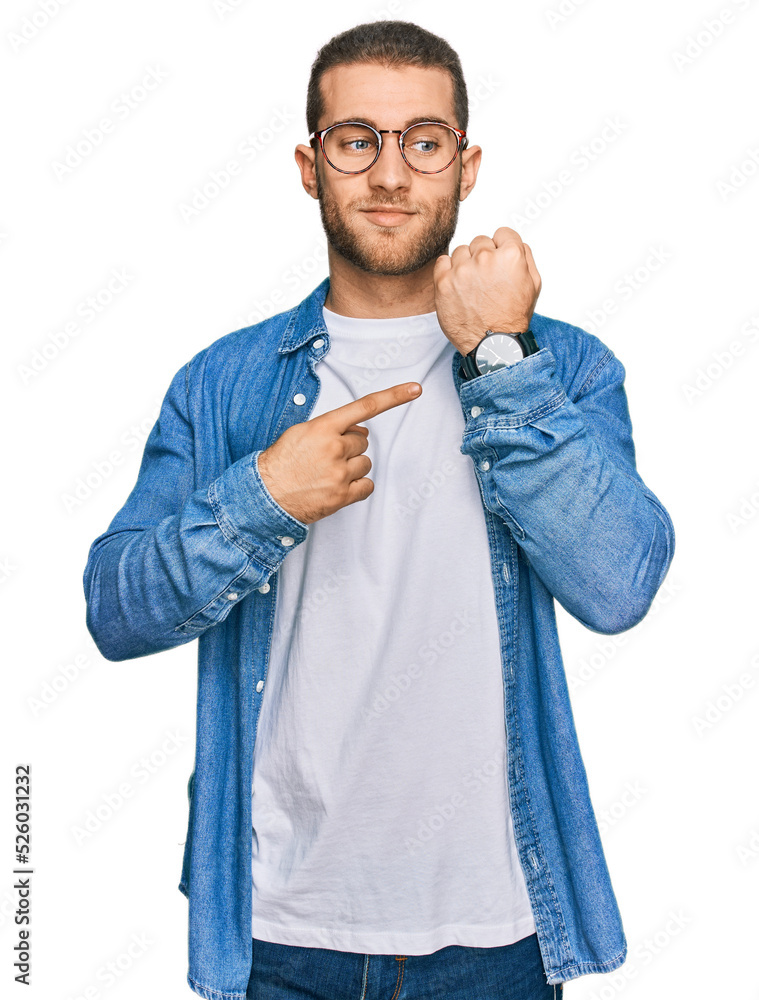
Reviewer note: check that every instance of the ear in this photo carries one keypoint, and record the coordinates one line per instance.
(470, 164)
(305, 157)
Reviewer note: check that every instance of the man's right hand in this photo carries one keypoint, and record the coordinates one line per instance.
(316, 467)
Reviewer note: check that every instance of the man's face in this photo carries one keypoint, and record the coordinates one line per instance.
(426, 205)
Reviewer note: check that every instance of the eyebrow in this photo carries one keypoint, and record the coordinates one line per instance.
(410, 121)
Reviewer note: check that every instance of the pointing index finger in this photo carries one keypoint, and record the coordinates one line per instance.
(370, 405)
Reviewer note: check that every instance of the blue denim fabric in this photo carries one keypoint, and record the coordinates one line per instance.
(285, 972)
(194, 551)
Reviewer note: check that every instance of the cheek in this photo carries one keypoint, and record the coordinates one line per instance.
(349, 198)
(440, 192)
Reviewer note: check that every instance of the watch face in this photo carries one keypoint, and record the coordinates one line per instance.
(496, 351)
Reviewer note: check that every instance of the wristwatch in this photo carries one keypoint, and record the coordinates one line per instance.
(497, 350)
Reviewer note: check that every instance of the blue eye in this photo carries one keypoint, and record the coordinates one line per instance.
(425, 145)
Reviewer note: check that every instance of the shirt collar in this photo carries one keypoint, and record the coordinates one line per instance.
(306, 320)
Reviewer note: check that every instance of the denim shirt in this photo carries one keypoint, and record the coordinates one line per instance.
(194, 553)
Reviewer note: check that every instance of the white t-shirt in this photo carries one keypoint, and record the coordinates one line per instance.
(381, 819)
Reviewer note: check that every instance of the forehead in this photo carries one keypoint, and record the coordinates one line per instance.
(390, 96)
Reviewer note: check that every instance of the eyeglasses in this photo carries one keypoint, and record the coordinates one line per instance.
(427, 147)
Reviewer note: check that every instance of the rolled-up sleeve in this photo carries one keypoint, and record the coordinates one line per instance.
(562, 475)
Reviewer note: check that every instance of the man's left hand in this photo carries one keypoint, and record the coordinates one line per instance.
(487, 285)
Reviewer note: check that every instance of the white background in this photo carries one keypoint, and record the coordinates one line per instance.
(676, 798)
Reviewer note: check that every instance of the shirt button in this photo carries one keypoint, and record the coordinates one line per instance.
(299, 399)
(476, 411)
(232, 595)
(265, 589)
(260, 686)
(318, 343)
(484, 465)
(286, 540)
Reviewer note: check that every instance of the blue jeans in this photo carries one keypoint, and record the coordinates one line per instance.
(509, 972)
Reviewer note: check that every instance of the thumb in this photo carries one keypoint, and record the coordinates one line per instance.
(442, 264)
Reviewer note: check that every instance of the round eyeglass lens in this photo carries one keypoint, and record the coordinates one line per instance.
(430, 147)
(350, 147)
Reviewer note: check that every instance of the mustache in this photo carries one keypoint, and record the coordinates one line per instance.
(389, 204)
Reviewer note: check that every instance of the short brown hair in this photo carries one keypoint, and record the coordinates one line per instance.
(391, 43)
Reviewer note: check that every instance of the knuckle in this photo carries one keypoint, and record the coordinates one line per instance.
(512, 252)
(371, 404)
(337, 482)
(335, 447)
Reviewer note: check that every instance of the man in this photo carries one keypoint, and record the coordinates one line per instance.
(405, 813)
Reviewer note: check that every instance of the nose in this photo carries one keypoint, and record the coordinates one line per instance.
(390, 171)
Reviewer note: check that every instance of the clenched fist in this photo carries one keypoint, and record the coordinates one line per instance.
(316, 467)
(487, 285)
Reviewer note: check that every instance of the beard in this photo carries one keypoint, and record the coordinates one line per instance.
(389, 250)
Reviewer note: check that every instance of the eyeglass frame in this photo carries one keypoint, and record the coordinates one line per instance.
(379, 132)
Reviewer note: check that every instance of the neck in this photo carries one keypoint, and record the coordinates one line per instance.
(353, 292)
